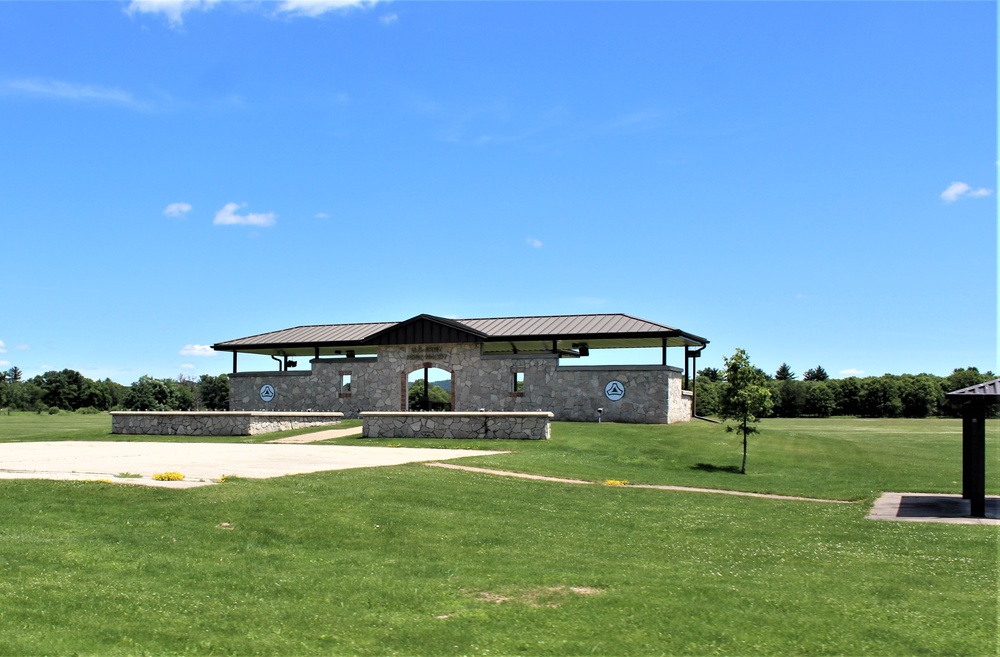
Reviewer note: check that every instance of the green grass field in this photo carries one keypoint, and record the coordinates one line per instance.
(413, 560)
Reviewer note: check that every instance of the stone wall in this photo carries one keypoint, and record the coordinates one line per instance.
(500, 426)
(652, 393)
(213, 423)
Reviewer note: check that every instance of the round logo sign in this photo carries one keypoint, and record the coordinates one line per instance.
(267, 392)
(615, 390)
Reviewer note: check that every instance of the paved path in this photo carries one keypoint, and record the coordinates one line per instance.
(522, 475)
(200, 463)
(317, 436)
(932, 507)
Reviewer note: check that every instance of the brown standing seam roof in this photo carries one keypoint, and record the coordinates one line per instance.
(989, 391)
(495, 329)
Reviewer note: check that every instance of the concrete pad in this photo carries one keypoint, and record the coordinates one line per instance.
(200, 463)
(932, 507)
(317, 436)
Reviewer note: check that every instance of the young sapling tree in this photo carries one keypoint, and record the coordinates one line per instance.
(745, 397)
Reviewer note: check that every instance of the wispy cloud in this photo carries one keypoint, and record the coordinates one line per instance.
(4, 363)
(533, 242)
(389, 19)
(958, 190)
(322, 215)
(851, 372)
(3, 347)
(70, 91)
(313, 8)
(177, 209)
(227, 217)
(175, 10)
(172, 10)
(22, 347)
(637, 121)
(197, 350)
(187, 366)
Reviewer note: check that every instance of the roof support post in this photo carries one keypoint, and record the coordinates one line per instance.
(234, 362)
(664, 352)
(974, 458)
(427, 385)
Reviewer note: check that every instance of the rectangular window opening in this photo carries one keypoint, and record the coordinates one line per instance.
(517, 382)
(345, 384)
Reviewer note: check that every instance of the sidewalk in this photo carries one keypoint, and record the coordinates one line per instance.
(306, 438)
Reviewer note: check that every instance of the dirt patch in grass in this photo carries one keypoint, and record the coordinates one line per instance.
(548, 596)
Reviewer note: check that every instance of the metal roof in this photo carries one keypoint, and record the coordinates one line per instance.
(499, 334)
(988, 391)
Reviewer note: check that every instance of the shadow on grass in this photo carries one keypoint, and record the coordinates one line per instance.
(708, 467)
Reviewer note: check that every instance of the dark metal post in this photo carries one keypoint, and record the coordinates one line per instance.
(427, 395)
(664, 359)
(974, 458)
(234, 362)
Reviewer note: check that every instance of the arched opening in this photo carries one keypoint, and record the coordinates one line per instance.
(429, 389)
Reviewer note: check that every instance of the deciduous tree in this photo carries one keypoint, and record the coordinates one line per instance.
(745, 397)
(214, 392)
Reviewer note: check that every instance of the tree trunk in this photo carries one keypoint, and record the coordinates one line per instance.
(743, 468)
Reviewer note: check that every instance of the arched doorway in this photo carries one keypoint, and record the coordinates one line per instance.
(429, 388)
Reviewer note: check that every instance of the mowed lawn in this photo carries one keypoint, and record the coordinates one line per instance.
(415, 560)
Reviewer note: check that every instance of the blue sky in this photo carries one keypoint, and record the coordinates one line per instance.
(813, 182)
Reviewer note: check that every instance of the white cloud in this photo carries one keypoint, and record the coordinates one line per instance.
(852, 372)
(389, 19)
(959, 190)
(187, 366)
(4, 363)
(315, 8)
(22, 347)
(3, 347)
(322, 215)
(172, 10)
(536, 243)
(197, 350)
(227, 217)
(71, 91)
(177, 209)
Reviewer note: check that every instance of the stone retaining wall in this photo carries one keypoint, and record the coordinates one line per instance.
(505, 426)
(214, 423)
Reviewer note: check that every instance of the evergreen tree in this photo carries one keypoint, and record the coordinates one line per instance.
(784, 373)
(817, 374)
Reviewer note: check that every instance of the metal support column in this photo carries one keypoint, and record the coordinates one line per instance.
(974, 458)
(427, 385)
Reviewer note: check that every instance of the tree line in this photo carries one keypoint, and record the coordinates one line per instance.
(68, 390)
(817, 395)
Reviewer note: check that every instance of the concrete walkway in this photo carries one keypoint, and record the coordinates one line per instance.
(317, 436)
(932, 507)
(201, 463)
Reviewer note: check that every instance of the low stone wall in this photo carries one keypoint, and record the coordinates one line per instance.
(214, 423)
(494, 425)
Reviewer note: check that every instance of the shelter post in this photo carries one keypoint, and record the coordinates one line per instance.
(974, 458)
